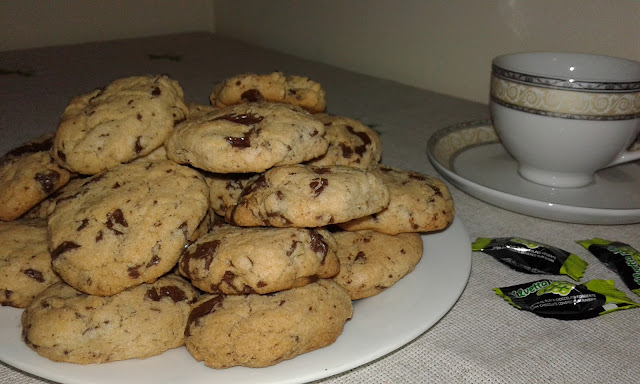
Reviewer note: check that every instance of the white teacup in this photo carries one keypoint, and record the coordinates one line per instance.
(563, 116)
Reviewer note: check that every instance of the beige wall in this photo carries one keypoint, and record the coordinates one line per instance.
(38, 23)
(441, 45)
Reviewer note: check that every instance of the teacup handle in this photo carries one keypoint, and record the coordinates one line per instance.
(628, 155)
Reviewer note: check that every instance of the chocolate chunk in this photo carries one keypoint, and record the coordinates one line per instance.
(251, 95)
(239, 142)
(347, 152)
(205, 251)
(84, 223)
(176, 294)
(361, 149)
(154, 261)
(36, 275)
(133, 272)
(228, 277)
(184, 227)
(205, 308)
(62, 248)
(317, 243)
(48, 181)
(156, 92)
(318, 185)
(241, 118)
(138, 147)
(247, 290)
(117, 217)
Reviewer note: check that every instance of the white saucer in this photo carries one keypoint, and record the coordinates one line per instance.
(471, 157)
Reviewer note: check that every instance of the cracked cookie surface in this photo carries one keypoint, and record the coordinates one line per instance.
(236, 260)
(247, 138)
(274, 87)
(225, 189)
(306, 196)
(125, 120)
(418, 203)
(28, 175)
(263, 330)
(64, 324)
(350, 143)
(126, 226)
(371, 262)
(25, 261)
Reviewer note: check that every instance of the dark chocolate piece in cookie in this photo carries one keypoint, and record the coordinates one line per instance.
(28, 174)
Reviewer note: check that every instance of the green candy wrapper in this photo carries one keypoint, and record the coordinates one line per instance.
(565, 300)
(531, 257)
(619, 257)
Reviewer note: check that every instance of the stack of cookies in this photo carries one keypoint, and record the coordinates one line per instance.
(243, 229)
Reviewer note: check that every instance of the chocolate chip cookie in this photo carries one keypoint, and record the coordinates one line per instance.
(306, 196)
(127, 119)
(225, 189)
(275, 87)
(28, 174)
(263, 330)
(371, 262)
(48, 205)
(25, 261)
(235, 260)
(64, 324)
(419, 203)
(247, 138)
(126, 226)
(350, 143)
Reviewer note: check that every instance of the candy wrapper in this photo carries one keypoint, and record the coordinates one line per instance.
(531, 257)
(565, 300)
(619, 257)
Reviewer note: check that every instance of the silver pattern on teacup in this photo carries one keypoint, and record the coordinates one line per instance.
(548, 82)
(566, 103)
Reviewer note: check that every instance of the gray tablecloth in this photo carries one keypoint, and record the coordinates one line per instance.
(482, 339)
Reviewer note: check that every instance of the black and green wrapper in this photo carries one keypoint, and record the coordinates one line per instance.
(564, 300)
(531, 257)
(619, 257)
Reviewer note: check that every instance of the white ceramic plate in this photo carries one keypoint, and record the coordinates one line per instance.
(380, 325)
(471, 157)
